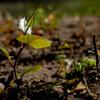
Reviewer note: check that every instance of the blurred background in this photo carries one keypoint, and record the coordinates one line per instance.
(69, 24)
(72, 7)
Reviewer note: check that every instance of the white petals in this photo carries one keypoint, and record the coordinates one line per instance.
(22, 24)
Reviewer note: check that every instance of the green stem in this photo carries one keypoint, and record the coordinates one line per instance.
(14, 66)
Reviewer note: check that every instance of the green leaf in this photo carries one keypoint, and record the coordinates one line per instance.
(36, 17)
(31, 21)
(34, 41)
(5, 53)
(39, 17)
(31, 70)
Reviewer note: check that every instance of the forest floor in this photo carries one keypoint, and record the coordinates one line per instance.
(73, 37)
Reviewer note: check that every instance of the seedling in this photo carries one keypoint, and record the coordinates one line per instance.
(64, 65)
(36, 42)
(84, 63)
(61, 69)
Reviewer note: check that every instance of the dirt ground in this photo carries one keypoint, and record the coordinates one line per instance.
(72, 37)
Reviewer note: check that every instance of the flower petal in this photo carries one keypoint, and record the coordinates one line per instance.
(29, 31)
(22, 25)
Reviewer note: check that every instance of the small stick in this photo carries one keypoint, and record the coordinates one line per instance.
(86, 84)
(96, 55)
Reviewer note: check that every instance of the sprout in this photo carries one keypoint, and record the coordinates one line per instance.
(22, 24)
(85, 63)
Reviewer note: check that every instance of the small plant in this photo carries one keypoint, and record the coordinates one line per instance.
(64, 65)
(85, 63)
(62, 69)
(36, 42)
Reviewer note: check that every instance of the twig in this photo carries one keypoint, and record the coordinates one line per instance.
(96, 56)
(88, 90)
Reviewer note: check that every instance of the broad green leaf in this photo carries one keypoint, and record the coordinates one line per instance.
(31, 70)
(5, 53)
(34, 41)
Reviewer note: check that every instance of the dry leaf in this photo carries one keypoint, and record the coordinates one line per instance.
(80, 87)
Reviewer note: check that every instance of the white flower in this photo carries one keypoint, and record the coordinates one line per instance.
(22, 24)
